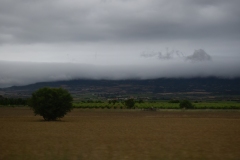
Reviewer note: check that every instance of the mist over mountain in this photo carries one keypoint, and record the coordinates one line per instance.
(42, 41)
(23, 73)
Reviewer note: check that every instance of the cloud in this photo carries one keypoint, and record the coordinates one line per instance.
(103, 38)
(22, 73)
(104, 23)
(93, 21)
(149, 55)
(170, 54)
(164, 56)
(199, 55)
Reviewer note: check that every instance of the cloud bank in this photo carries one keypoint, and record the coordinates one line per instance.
(102, 39)
(124, 20)
(22, 73)
(198, 55)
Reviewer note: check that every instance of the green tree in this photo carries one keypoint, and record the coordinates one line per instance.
(51, 103)
(174, 101)
(130, 103)
(186, 104)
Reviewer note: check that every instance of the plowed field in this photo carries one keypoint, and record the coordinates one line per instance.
(120, 134)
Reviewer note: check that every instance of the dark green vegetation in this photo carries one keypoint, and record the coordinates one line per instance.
(51, 103)
(129, 103)
(186, 104)
(13, 101)
(143, 104)
(120, 134)
(172, 104)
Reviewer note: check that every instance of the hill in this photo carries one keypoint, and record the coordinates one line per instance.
(164, 88)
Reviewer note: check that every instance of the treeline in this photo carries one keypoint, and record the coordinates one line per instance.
(148, 105)
(13, 101)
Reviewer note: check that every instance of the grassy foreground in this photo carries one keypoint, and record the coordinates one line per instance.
(120, 134)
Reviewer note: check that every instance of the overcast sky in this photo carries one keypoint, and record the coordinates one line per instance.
(42, 40)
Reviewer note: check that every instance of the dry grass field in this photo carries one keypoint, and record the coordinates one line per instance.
(120, 134)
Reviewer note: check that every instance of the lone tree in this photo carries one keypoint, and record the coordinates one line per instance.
(186, 104)
(51, 103)
(130, 103)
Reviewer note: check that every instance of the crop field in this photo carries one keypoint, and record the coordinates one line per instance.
(160, 105)
(120, 134)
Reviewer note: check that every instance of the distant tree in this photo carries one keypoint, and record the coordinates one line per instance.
(51, 103)
(114, 101)
(13, 101)
(186, 104)
(174, 101)
(130, 103)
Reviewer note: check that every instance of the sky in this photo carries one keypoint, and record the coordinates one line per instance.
(117, 39)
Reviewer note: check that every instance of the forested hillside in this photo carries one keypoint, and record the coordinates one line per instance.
(205, 87)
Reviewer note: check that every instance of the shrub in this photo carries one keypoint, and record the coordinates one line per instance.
(186, 104)
(130, 103)
(51, 103)
(174, 101)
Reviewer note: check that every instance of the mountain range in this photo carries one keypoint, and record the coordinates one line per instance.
(163, 88)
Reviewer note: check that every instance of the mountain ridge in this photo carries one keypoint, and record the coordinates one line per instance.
(161, 86)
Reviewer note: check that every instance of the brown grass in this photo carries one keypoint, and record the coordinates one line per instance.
(120, 134)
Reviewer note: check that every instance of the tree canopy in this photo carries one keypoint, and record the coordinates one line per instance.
(186, 104)
(130, 103)
(51, 103)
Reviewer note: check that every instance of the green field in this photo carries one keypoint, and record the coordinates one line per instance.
(160, 105)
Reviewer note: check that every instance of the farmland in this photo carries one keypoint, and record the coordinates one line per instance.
(120, 134)
(158, 105)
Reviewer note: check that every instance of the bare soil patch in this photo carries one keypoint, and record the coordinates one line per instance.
(120, 134)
